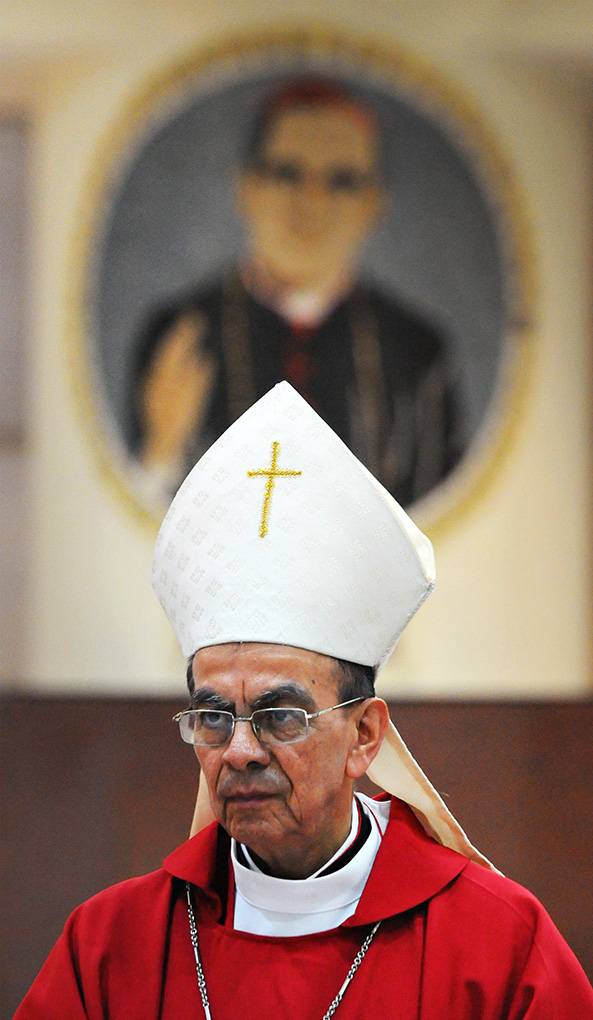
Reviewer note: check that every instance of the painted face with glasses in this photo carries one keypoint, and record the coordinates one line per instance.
(279, 749)
(313, 199)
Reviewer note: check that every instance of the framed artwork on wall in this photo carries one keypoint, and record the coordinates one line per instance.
(304, 207)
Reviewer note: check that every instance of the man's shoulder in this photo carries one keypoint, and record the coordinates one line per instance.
(473, 895)
(205, 299)
(490, 882)
(495, 898)
(485, 917)
(406, 324)
(149, 891)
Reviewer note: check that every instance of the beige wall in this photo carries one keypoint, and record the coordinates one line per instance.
(512, 612)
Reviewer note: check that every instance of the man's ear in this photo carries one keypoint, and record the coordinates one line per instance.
(372, 722)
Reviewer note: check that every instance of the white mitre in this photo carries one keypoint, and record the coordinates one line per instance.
(280, 535)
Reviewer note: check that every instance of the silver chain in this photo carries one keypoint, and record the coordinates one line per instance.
(193, 932)
(355, 965)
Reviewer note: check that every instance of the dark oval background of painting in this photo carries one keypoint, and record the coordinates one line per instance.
(169, 223)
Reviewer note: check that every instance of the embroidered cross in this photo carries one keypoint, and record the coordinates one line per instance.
(270, 474)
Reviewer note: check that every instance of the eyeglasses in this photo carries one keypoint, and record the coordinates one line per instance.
(206, 727)
(346, 180)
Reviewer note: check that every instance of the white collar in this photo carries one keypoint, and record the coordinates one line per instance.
(278, 906)
(307, 307)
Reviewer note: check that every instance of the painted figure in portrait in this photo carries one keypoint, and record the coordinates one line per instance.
(296, 306)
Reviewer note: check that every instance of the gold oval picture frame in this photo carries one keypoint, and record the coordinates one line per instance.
(418, 345)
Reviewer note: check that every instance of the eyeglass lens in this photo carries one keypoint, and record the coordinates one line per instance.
(272, 725)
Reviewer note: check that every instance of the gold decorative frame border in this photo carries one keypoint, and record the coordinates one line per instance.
(472, 480)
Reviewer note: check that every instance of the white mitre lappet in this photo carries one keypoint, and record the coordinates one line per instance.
(280, 535)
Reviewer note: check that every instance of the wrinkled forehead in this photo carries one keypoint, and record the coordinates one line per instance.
(241, 662)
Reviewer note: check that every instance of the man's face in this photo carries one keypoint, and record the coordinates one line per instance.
(286, 800)
(313, 203)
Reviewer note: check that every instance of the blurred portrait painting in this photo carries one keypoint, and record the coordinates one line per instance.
(300, 226)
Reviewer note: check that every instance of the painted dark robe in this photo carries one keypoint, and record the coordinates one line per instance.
(376, 372)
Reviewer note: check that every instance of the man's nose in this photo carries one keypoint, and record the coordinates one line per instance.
(244, 748)
(312, 195)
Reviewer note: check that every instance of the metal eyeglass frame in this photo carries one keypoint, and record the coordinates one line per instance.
(249, 718)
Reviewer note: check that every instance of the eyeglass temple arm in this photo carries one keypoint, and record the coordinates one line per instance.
(332, 708)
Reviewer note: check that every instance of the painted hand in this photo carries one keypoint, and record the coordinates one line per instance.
(175, 391)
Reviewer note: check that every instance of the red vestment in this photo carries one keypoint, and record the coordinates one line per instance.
(457, 942)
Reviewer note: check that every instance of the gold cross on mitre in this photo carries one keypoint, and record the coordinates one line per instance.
(270, 474)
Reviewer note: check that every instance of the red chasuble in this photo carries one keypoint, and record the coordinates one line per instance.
(456, 942)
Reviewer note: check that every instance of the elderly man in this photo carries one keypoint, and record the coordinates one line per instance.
(295, 307)
(288, 573)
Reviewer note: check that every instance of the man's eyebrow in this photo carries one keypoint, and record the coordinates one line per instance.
(298, 697)
(207, 697)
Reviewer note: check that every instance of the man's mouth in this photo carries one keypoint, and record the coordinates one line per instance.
(249, 795)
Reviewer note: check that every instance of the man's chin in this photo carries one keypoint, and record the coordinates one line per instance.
(244, 816)
(300, 273)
